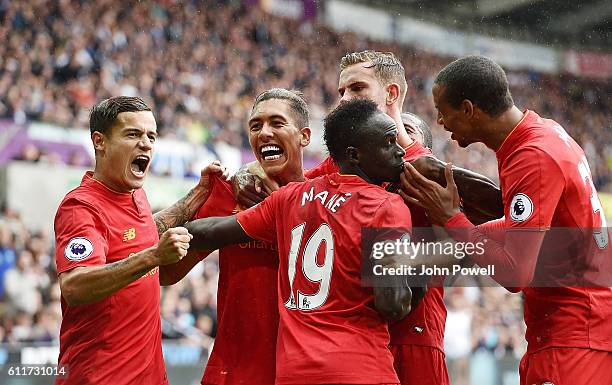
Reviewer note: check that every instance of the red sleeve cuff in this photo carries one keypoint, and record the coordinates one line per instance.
(458, 227)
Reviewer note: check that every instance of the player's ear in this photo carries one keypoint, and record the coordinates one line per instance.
(352, 154)
(467, 107)
(99, 140)
(305, 139)
(393, 93)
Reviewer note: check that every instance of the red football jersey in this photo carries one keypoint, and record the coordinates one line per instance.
(116, 340)
(247, 310)
(326, 167)
(425, 324)
(546, 183)
(329, 330)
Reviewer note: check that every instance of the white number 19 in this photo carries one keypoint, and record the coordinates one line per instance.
(310, 268)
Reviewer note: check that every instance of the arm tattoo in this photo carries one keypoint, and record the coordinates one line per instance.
(123, 262)
(180, 212)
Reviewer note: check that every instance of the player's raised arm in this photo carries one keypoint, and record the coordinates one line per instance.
(86, 284)
(208, 234)
(515, 259)
(482, 199)
(215, 232)
(185, 208)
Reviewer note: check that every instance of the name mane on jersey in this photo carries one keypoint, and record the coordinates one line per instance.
(331, 203)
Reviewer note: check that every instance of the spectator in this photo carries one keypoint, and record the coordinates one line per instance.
(23, 283)
(60, 56)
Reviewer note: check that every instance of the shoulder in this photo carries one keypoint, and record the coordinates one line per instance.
(80, 199)
(383, 200)
(78, 213)
(532, 156)
(391, 212)
(394, 203)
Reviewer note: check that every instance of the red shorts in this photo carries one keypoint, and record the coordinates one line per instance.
(566, 366)
(419, 365)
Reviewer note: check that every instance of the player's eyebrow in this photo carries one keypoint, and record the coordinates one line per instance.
(391, 131)
(129, 130)
(280, 117)
(256, 119)
(353, 83)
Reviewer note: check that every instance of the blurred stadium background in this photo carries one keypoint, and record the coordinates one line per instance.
(200, 64)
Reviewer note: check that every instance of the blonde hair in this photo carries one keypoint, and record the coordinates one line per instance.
(387, 68)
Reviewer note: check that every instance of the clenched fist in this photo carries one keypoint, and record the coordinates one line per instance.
(173, 245)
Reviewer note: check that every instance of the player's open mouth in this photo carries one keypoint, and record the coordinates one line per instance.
(139, 165)
(270, 152)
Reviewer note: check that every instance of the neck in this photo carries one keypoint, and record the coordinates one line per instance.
(295, 175)
(403, 138)
(499, 128)
(102, 177)
(350, 169)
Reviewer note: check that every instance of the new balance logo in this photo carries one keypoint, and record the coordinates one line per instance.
(129, 234)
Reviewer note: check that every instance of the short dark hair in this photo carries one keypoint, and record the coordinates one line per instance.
(343, 126)
(479, 80)
(387, 67)
(103, 114)
(294, 98)
(422, 125)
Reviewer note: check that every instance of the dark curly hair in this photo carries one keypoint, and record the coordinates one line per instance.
(343, 126)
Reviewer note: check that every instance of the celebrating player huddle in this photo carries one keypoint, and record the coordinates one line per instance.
(293, 305)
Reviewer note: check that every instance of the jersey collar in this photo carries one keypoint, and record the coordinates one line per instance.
(514, 135)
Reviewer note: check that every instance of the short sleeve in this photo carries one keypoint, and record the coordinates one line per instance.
(80, 236)
(532, 184)
(258, 222)
(324, 168)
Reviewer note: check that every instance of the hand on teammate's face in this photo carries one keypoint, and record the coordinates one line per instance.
(173, 245)
(441, 203)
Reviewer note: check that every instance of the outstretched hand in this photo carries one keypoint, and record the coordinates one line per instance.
(441, 203)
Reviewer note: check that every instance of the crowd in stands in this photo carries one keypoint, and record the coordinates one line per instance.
(200, 66)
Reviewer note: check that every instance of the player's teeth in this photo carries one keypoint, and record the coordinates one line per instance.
(270, 148)
(272, 157)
